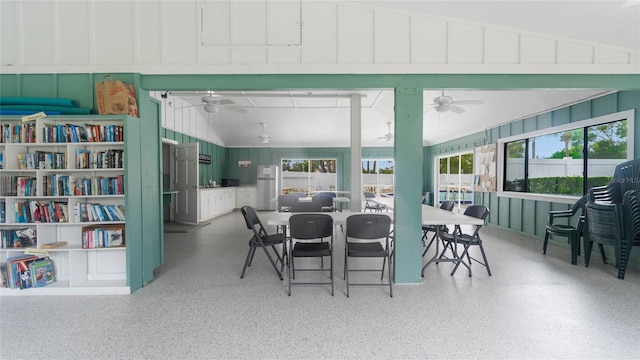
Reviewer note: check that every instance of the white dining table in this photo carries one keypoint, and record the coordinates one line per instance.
(433, 216)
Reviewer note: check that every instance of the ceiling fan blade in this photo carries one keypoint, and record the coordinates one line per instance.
(456, 109)
(468, 102)
(236, 109)
(189, 106)
(224, 102)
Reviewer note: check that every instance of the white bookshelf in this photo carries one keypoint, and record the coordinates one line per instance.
(78, 270)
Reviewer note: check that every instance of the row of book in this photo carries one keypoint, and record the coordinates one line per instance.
(42, 160)
(27, 271)
(3, 217)
(37, 211)
(101, 237)
(85, 212)
(61, 185)
(109, 159)
(19, 133)
(71, 133)
(18, 238)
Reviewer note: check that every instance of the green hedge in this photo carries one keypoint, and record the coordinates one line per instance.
(564, 185)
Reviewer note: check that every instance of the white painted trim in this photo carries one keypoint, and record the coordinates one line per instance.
(169, 141)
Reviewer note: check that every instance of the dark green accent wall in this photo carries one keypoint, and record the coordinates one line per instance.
(530, 216)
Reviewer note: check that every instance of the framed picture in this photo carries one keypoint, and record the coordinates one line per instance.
(244, 164)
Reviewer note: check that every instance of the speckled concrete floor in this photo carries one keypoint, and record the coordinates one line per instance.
(533, 307)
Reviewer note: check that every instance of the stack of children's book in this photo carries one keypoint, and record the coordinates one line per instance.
(28, 271)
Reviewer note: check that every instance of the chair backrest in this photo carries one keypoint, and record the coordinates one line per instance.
(368, 194)
(448, 205)
(310, 226)
(253, 221)
(631, 216)
(306, 206)
(477, 211)
(323, 200)
(368, 226)
(579, 205)
(327, 193)
(627, 175)
(286, 201)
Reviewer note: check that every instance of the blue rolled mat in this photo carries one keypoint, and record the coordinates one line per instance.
(26, 112)
(45, 108)
(7, 100)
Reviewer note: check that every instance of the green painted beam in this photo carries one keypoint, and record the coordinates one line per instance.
(408, 190)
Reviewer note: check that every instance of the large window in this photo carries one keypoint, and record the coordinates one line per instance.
(377, 176)
(305, 175)
(568, 161)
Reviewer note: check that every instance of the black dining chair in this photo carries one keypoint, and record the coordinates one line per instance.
(304, 229)
(362, 240)
(286, 201)
(370, 205)
(326, 202)
(457, 237)
(306, 206)
(446, 205)
(572, 232)
(262, 239)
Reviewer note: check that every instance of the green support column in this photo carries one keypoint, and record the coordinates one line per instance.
(408, 190)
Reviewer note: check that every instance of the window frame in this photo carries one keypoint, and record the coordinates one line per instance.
(377, 185)
(629, 115)
(309, 173)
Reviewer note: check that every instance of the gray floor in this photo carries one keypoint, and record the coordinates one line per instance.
(533, 307)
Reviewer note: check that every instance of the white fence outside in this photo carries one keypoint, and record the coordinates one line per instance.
(539, 168)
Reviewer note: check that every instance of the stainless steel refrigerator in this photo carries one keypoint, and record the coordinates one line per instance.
(267, 187)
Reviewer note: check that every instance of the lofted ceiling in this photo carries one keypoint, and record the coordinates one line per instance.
(321, 118)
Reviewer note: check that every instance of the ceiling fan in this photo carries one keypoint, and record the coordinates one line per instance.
(388, 136)
(264, 138)
(212, 104)
(445, 103)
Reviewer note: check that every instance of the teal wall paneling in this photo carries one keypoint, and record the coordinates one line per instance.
(561, 116)
(515, 214)
(529, 216)
(516, 127)
(528, 125)
(133, 204)
(544, 121)
(581, 111)
(604, 105)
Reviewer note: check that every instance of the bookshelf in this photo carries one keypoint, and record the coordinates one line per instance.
(62, 176)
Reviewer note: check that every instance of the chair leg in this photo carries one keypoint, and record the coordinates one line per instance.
(573, 238)
(623, 260)
(546, 241)
(602, 254)
(247, 260)
(273, 263)
(290, 273)
(390, 282)
(588, 245)
(253, 252)
(384, 261)
(428, 246)
(346, 270)
(486, 262)
(331, 274)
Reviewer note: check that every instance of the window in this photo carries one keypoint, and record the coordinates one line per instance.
(306, 175)
(455, 178)
(377, 176)
(557, 162)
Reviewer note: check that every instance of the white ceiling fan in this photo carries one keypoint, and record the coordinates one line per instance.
(445, 103)
(212, 103)
(264, 138)
(389, 135)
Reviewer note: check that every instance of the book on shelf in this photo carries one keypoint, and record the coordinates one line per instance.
(41, 272)
(103, 236)
(18, 238)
